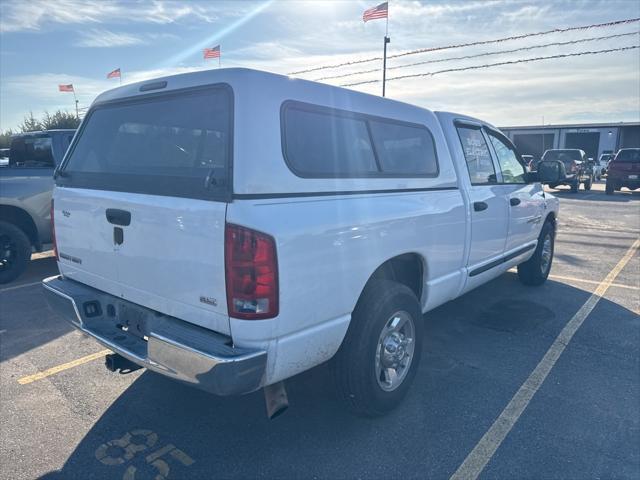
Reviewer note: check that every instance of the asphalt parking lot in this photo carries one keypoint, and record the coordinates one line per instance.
(81, 421)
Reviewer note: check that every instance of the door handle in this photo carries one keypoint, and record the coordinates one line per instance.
(480, 206)
(514, 201)
(118, 217)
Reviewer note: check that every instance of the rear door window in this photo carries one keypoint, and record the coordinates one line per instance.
(31, 151)
(164, 144)
(628, 156)
(476, 154)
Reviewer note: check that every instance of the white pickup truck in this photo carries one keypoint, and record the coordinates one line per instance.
(233, 228)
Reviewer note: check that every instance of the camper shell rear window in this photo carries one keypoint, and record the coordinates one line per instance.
(177, 143)
(322, 142)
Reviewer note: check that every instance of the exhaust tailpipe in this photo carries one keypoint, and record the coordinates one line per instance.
(275, 397)
(115, 362)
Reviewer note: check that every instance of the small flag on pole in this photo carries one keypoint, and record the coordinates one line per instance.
(66, 88)
(114, 74)
(211, 52)
(381, 11)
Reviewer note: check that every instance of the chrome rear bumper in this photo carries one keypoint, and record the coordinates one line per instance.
(164, 344)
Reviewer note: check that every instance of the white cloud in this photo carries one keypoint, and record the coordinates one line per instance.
(102, 38)
(32, 15)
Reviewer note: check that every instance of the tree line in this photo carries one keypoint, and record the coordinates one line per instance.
(59, 119)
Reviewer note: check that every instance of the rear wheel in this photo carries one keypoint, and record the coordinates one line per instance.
(379, 356)
(608, 189)
(536, 270)
(15, 252)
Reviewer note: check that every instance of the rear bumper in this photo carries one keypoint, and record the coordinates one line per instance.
(172, 347)
(623, 181)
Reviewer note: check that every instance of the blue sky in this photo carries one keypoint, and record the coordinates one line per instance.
(44, 43)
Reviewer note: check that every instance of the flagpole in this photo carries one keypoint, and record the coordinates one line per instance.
(76, 100)
(384, 62)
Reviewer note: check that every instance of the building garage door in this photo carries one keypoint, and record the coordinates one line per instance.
(587, 141)
(533, 143)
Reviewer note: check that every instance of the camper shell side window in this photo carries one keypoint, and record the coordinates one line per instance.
(323, 142)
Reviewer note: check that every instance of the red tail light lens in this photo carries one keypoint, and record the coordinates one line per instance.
(53, 233)
(251, 269)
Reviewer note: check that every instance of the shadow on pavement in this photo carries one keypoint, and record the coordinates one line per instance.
(623, 196)
(478, 351)
(25, 319)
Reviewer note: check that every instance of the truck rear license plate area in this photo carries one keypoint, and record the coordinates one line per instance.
(132, 320)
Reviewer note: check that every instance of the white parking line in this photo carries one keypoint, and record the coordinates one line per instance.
(16, 287)
(493, 438)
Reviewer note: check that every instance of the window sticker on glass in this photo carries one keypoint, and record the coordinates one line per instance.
(477, 156)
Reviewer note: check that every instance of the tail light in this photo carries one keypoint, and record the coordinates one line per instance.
(53, 233)
(251, 269)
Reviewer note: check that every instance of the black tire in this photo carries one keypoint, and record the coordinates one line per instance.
(608, 189)
(575, 186)
(15, 252)
(533, 271)
(588, 183)
(355, 368)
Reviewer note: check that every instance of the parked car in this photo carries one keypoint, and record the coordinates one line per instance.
(604, 160)
(576, 168)
(233, 228)
(595, 168)
(4, 157)
(624, 171)
(26, 184)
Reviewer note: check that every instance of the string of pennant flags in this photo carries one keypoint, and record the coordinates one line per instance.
(381, 11)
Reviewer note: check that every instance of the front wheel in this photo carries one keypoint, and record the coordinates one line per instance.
(536, 270)
(379, 356)
(588, 183)
(574, 186)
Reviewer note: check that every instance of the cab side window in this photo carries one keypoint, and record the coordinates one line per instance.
(512, 169)
(477, 156)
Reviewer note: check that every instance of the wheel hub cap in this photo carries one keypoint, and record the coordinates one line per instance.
(394, 352)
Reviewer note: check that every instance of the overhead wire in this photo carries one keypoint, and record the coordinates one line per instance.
(489, 65)
(470, 44)
(465, 57)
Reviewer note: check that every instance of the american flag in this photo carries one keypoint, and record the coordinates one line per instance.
(65, 88)
(381, 11)
(212, 52)
(114, 74)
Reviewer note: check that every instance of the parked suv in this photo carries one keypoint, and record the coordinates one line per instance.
(577, 169)
(233, 228)
(26, 184)
(624, 171)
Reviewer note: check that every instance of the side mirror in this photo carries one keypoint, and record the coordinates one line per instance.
(551, 171)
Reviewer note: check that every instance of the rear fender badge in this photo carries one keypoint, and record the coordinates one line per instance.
(66, 213)
(209, 300)
(70, 258)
